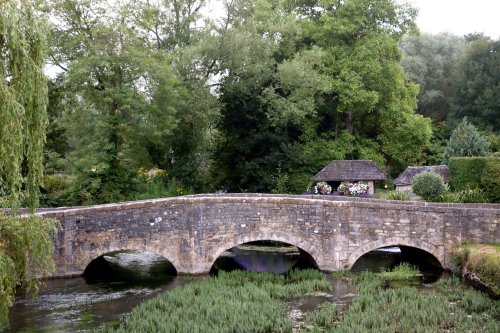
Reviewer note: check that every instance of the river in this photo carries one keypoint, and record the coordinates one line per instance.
(79, 304)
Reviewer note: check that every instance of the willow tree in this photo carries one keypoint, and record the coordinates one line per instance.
(25, 243)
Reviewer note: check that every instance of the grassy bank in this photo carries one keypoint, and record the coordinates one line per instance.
(483, 260)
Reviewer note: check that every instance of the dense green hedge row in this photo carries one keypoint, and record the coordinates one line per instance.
(476, 172)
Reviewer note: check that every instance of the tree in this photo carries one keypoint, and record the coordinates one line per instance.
(324, 84)
(476, 86)
(465, 140)
(25, 244)
(430, 61)
(133, 93)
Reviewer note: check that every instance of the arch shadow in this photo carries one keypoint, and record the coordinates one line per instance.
(304, 247)
(404, 243)
(126, 246)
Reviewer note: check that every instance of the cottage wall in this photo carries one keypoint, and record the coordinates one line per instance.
(404, 188)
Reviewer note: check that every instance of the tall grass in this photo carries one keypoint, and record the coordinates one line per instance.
(403, 271)
(256, 302)
(232, 302)
(452, 307)
(398, 195)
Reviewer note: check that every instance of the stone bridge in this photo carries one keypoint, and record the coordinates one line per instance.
(192, 231)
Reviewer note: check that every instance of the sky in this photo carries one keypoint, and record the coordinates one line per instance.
(459, 17)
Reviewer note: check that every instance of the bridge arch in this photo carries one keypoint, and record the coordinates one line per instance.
(395, 241)
(278, 236)
(89, 256)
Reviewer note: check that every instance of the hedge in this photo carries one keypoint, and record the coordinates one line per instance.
(490, 179)
(476, 172)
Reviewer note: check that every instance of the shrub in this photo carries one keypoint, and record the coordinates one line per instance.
(475, 195)
(429, 185)
(490, 179)
(55, 190)
(476, 172)
(397, 195)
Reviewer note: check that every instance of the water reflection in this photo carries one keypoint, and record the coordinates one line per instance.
(113, 285)
(264, 256)
(387, 258)
(71, 305)
(129, 266)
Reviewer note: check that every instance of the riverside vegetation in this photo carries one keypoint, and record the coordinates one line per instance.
(483, 261)
(257, 302)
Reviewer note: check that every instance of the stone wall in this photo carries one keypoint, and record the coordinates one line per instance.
(192, 231)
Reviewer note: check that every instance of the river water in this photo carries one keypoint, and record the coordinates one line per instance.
(79, 304)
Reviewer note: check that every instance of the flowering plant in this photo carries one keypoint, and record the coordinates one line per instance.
(322, 188)
(152, 174)
(353, 189)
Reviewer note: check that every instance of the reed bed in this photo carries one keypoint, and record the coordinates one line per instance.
(232, 302)
(451, 307)
(257, 302)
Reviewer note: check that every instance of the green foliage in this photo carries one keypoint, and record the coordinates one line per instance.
(465, 172)
(474, 195)
(397, 195)
(23, 99)
(430, 60)
(325, 316)
(232, 302)
(344, 274)
(469, 173)
(330, 87)
(124, 98)
(465, 141)
(379, 309)
(55, 190)
(490, 179)
(476, 82)
(481, 259)
(25, 243)
(25, 255)
(459, 259)
(403, 271)
(280, 180)
(429, 185)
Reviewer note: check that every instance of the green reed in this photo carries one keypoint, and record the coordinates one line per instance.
(232, 302)
(256, 302)
(403, 271)
(451, 307)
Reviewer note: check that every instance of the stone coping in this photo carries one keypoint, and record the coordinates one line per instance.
(326, 200)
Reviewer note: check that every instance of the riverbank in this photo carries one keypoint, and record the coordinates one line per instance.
(257, 302)
(479, 265)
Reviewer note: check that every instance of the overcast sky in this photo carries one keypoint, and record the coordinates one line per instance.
(459, 16)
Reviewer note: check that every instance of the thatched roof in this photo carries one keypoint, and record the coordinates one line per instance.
(407, 176)
(350, 170)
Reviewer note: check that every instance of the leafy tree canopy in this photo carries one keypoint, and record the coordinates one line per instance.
(430, 61)
(476, 86)
(25, 243)
(465, 141)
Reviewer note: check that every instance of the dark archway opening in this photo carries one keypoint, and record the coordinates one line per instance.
(129, 266)
(264, 256)
(386, 258)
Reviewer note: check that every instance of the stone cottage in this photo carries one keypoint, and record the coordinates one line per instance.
(403, 182)
(352, 171)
